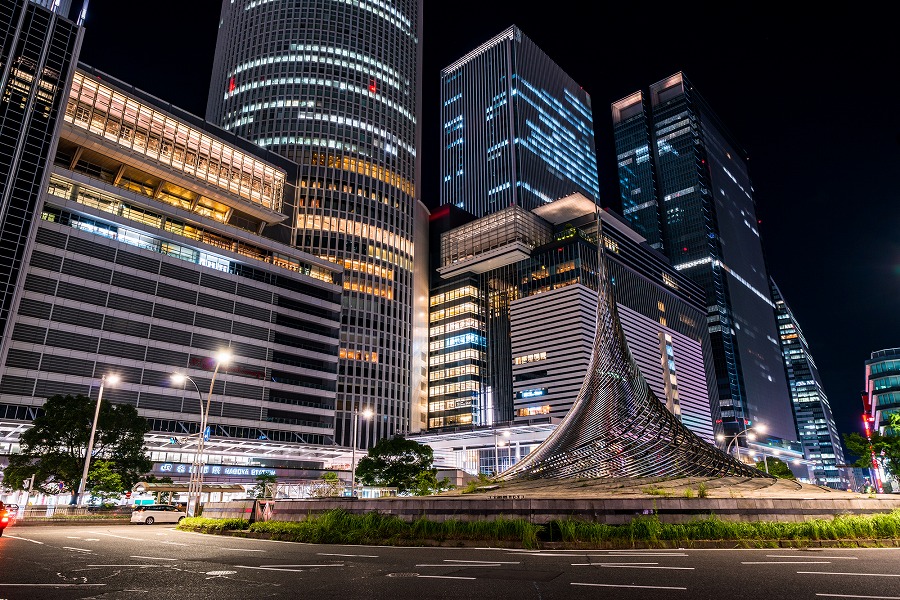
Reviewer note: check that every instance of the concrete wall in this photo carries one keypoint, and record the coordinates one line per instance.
(610, 511)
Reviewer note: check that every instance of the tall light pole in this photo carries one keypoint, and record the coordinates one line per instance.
(195, 485)
(179, 379)
(759, 428)
(111, 380)
(367, 414)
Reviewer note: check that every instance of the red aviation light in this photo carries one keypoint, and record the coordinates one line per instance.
(231, 84)
(372, 86)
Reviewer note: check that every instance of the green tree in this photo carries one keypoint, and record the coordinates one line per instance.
(54, 447)
(396, 462)
(427, 484)
(265, 485)
(777, 468)
(104, 482)
(886, 447)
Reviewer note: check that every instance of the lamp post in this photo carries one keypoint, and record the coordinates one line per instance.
(497, 452)
(367, 414)
(760, 428)
(195, 485)
(179, 379)
(111, 380)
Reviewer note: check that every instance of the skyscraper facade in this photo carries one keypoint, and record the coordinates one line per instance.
(704, 209)
(514, 319)
(812, 411)
(515, 129)
(881, 400)
(336, 88)
(38, 51)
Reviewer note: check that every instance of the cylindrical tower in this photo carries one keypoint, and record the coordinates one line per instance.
(334, 86)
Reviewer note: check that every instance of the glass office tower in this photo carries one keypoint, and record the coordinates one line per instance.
(515, 129)
(38, 50)
(707, 221)
(335, 88)
(812, 411)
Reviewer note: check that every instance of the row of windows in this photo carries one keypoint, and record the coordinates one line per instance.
(137, 126)
(107, 203)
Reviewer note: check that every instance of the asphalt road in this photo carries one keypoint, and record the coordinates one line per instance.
(156, 561)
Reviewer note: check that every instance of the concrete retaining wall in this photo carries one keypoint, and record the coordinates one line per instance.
(610, 511)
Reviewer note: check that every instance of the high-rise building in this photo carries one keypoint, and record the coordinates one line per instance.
(701, 214)
(881, 397)
(513, 321)
(336, 89)
(38, 51)
(515, 129)
(157, 244)
(815, 423)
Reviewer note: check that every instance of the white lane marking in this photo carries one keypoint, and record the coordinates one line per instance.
(491, 562)
(138, 566)
(241, 550)
(654, 554)
(602, 564)
(121, 537)
(851, 596)
(268, 569)
(642, 552)
(624, 566)
(152, 557)
(305, 566)
(353, 555)
(621, 585)
(443, 577)
(177, 543)
(77, 549)
(798, 556)
(52, 585)
(865, 574)
(15, 537)
(73, 537)
(92, 539)
(787, 562)
(443, 565)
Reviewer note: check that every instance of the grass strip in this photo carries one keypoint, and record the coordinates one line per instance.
(341, 527)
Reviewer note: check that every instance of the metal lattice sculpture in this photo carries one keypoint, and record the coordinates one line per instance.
(617, 427)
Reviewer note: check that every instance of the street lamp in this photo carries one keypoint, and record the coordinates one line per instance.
(759, 428)
(497, 452)
(111, 380)
(366, 414)
(195, 485)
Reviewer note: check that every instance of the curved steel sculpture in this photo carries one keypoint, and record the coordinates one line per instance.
(618, 427)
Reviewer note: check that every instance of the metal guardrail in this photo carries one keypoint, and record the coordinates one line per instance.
(64, 513)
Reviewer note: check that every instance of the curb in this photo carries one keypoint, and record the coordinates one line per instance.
(661, 544)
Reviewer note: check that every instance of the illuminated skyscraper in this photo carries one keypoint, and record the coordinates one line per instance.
(335, 88)
(38, 50)
(700, 212)
(815, 422)
(515, 129)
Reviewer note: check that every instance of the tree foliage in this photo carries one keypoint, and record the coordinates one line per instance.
(886, 447)
(397, 462)
(104, 482)
(777, 468)
(266, 484)
(54, 448)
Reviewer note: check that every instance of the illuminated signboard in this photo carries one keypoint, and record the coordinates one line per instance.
(184, 469)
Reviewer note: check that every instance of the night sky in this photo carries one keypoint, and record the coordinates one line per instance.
(811, 96)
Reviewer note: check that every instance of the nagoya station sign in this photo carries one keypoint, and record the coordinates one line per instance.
(219, 470)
